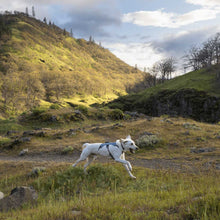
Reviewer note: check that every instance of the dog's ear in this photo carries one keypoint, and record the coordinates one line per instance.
(128, 137)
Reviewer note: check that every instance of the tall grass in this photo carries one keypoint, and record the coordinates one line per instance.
(107, 193)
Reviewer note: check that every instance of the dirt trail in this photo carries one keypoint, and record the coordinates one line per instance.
(155, 163)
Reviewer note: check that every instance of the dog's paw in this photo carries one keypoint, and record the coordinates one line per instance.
(133, 177)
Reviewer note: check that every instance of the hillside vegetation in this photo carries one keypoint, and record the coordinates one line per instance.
(40, 61)
(196, 95)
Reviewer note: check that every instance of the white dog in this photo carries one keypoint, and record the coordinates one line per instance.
(115, 150)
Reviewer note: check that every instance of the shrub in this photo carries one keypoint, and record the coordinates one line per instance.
(54, 106)
(83, 109)
(67, 150)
(37, 111)
(147, 141)
(116, 114)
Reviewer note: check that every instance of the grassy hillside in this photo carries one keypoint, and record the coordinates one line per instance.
(194, 94)
(32, 49)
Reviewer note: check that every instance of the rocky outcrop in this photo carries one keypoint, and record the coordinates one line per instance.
(185, 102)
(18, 197)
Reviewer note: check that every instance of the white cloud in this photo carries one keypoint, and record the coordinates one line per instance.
(204, 2)
(142, 54)
(160, 18)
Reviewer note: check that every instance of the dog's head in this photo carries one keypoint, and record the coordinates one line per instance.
(128, 144)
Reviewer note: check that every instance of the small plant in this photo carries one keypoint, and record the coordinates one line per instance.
(37, 111)
(83, 109)
(67, 150)
(54, 106)
(116, 114)
(4, 140)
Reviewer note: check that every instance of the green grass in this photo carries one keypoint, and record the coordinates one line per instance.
(107, 193)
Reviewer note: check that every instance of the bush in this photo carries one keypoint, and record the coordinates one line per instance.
(37, 111)
(83, 109)
(67, 150)
(147, 141)
(54, 106)
(116, 114)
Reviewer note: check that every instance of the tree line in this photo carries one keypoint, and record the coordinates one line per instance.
(203, 56)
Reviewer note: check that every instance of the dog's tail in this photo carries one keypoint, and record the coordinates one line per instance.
(84, 145)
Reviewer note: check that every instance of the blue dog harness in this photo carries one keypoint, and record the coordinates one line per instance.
(107, 146)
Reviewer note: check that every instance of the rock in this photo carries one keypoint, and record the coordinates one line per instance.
(18, 197)
(18, 142)
(53, 118)
(23, 152)
(34, 133)
(218, 166)
(147, 140)
(186, 133)
(24, 139)
(201, 150)
(1, 195)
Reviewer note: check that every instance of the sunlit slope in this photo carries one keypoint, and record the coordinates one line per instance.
(40, 48)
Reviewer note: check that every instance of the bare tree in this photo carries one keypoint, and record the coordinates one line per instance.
(33, 12)
(205, 56)
(166, 67)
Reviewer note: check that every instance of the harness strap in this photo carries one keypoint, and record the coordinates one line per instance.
(107, 146)
(110, 152)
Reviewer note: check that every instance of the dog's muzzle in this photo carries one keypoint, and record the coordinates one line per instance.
(133, 150)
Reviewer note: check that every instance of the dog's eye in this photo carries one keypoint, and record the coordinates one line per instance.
(132, 144)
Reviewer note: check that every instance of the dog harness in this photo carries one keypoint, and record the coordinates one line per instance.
(107, 146)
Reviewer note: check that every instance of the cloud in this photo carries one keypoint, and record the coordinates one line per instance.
(142, 54)
(160, 18)
(177, 44)
(91, 22)
(85, 17)
(204, 2)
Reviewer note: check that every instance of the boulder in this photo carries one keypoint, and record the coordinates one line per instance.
(18, 197)
(23, 152)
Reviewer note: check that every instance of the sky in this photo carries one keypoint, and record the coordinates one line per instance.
(140, 32)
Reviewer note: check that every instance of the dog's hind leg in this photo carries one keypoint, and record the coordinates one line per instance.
(89, 161)
(82, 157)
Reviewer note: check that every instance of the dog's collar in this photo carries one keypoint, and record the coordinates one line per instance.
(123, 150)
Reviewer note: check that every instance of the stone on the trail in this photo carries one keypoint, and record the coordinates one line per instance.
(18, 197)
(1, 195)
(23, 152)
(147, 140)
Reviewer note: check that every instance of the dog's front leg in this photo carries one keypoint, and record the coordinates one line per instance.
(127, 166)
